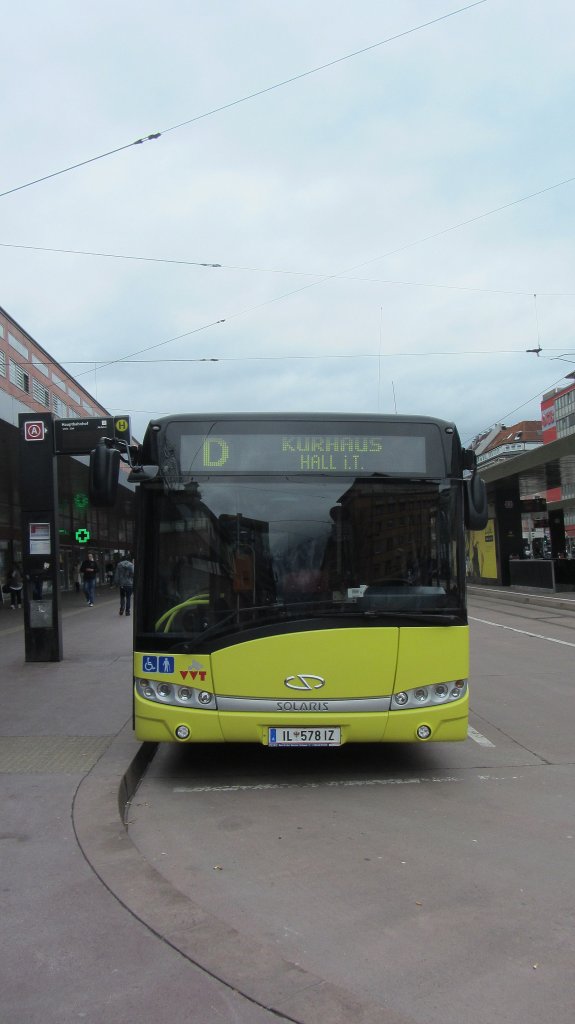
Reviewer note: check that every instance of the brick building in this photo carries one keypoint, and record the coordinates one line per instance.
(31, 380)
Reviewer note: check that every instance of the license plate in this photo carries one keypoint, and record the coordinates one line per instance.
(322, 736)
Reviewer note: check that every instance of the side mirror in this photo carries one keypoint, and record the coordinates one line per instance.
(469, 459)
(103, 480)
(475, 498)
(140, 474)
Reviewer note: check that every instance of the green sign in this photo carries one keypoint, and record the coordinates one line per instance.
(82, 535)
(81, 500)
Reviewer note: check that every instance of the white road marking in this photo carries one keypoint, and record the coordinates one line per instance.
(525, 632)
(341, 783)
(479, 738)
(253, 787)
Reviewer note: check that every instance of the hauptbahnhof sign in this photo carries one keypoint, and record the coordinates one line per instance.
(80, 437)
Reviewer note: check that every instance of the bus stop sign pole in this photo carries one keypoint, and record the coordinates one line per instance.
(40, 537)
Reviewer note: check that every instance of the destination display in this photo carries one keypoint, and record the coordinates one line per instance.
(303, 453)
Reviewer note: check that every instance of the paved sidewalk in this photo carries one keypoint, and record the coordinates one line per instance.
(71, 951)
(70, 600)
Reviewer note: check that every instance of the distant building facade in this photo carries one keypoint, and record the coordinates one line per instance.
(558, 411)
(558, 420)
(503, 442)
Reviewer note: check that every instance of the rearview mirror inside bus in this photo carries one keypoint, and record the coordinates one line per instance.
(139, 474)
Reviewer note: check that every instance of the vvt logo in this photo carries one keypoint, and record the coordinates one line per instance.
(304, 682)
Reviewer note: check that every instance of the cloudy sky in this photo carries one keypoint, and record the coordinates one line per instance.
(378, 250)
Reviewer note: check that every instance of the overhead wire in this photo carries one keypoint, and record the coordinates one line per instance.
(472, 437)
(338, 274)
(329, 64)
(93, 364)
(320, 276)
(323, 278)
(244, 99)
(501, 419)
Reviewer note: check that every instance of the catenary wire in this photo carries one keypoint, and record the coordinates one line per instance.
(336, 275)
(470, 439)
(329, 64)
(501, 419)
(244, 99)
(476, 434)
(281, 272)
(93, 364)
(299, 356)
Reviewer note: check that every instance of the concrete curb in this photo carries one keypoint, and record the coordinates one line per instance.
(548, 599)
(255, 971)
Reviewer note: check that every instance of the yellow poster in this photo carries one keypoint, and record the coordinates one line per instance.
(481, 553)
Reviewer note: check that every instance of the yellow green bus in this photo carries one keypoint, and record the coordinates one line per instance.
(300, 579)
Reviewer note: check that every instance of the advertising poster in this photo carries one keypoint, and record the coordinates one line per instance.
(481, 553)
(40, 539)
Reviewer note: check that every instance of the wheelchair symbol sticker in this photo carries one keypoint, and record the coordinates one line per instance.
(153, 663)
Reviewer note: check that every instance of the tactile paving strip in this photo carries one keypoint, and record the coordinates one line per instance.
(65, 754)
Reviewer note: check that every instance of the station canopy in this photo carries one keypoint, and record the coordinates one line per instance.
(547, 468)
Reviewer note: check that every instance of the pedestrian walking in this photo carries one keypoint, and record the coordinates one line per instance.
(14, 581)
(89, 571)
(124, 579)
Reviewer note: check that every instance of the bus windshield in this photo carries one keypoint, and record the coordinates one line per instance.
(236, 554)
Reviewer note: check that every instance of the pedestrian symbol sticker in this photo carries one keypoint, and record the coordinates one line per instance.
(154, 663)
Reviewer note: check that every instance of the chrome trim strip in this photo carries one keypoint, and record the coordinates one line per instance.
(311, 706)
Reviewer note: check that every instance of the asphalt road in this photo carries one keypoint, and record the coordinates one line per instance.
(393, 884)
(434, 882)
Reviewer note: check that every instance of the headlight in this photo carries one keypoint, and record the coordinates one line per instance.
(429, 696)
(180, 696)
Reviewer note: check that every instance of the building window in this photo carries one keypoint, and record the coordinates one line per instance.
(73, 395)
(17, 345)
(40, 393)
(19, 377)
(2, 363)
(43, 367)
(58, 380)
(58, 407)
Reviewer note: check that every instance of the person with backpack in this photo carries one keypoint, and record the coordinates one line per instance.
(124, 579)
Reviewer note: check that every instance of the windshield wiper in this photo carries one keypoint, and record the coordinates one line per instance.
(439, 619)
(269, 615)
